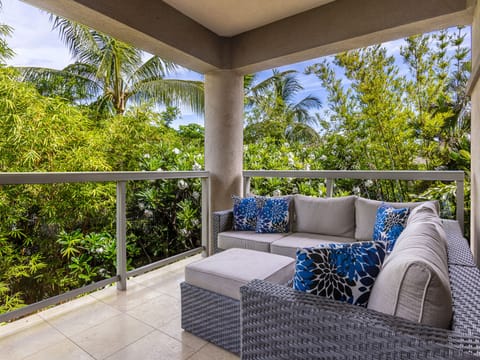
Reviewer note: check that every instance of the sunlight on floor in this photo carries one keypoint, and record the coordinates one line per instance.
(142, 323)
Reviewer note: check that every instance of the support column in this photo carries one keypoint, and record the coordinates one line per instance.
(475, 139)
(224, 135)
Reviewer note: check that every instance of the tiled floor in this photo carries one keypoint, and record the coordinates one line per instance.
(142, 323)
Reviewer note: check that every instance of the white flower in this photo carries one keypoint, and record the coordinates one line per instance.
(184, 232)
(141, 206)
(182, 184)
(291, 162)
(99, 250)
(159, 169)
(323, 157)
(146, 156)
(369, 183)
(307, 167)
(295, 190)
(176, 151)
(195, 222)
(196, 195)
(311, 156)
(286, 144)
(356, 190)
(197, 167)
(277, 193)
(148, 213)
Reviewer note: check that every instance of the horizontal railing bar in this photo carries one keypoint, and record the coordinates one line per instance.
(55, 300)
(164, 262)
(14, 178)
(360, 174)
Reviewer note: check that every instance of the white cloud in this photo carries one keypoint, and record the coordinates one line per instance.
(33, 41)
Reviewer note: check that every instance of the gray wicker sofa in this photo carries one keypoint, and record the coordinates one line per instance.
(278, 322)
(313, 221)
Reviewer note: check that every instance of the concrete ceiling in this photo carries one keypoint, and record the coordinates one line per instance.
(253, 35)
(232, 17)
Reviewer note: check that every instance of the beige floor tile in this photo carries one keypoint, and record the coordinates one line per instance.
(174, 329)
(158, 278)
(157, 312)
(19, 341)
(168, 284)
(135, 295)
(17, 326)
(212, 352)
(112, 335)
(64, 350)
(154, 346)
(180, 265)
(78, 315)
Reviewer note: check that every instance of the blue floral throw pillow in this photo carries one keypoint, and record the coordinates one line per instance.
(344, 272)
(273, 215)
(389, 224)
(245, 212)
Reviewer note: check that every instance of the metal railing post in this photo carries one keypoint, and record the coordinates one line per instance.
(122, 235)
(246, 185)
(330, 183)
(460, 203)
(206, 218)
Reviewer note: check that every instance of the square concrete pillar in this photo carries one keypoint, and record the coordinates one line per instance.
(475, 141)
(224, 135)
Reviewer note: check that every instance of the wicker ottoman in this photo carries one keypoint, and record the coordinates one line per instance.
(211, 291)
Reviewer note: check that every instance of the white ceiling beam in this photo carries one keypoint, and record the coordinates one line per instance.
(158, 28)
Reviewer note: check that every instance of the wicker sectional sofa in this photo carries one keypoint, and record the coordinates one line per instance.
(313, 221)
(278, 322)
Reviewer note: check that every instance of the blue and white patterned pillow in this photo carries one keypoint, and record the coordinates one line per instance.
(245, 212)
(389, 224)
(273, 215)
(344, 272)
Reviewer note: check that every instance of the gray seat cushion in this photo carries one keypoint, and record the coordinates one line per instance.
(329, 216)
(247, 240)
(288, 245)
(224, 273)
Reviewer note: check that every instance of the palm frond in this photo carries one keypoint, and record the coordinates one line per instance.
(153, 68)
(302, 133)
(171, 92)
(75, 82)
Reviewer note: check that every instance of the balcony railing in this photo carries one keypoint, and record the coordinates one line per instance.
(331, 175)
(121, 179)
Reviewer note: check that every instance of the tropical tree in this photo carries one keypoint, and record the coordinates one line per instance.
(5, 51)
(109, 74)
(366, 123)
(272, 108)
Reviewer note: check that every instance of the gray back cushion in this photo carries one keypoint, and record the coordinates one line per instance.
(414, 282)
(366, 213)
(327, 216)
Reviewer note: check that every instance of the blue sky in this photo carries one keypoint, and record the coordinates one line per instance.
(35, 44)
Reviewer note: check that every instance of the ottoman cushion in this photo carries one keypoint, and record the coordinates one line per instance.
(224, 273)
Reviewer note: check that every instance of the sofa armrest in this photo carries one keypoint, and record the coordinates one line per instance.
(222, 221)
(278, 322)
(458, 249)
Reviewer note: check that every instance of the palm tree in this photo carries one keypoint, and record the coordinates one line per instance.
(271, 106)
(5, 51)
(110, 73)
